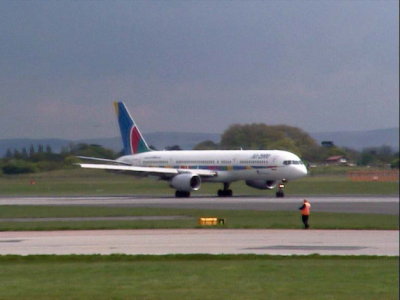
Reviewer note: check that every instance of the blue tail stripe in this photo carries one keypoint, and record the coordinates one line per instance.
(125, 125)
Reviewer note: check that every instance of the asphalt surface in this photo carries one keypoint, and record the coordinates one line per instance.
(215, 241)
(349, 204)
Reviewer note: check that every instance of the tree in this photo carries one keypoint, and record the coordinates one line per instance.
(174, 147)
(367, 157)
(9, 154)
(16, 154)
(48, 149)
(395, 164)
(306, 146)
(249, 136)
(261, 136)
(385, 154)
(286, 144)
(31, 151)
(65, 150)
(351, 154)
(24, 153)
(23, 162)
(206, 145)
(92, 150)
(18, 167)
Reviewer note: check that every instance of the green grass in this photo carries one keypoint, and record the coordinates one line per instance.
(94, 182)
(234, 218)
(80, 182)
(198, 277)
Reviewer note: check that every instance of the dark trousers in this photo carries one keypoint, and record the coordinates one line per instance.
(304, 218)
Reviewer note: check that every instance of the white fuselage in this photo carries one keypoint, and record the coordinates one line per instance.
(229, 165)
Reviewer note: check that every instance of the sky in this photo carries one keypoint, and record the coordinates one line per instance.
(197, 66)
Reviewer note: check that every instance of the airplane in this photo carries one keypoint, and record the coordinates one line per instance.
(185, 170)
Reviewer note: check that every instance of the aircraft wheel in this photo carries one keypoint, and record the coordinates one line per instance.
(182, 194)
(225, 193)
(280, 194)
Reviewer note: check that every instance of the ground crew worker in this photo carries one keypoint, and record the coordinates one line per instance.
(305, 213)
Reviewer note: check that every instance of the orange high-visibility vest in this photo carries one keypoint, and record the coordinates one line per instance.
(306, 210)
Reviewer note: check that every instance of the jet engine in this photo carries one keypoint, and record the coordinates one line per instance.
(186, 182)
(261, 184)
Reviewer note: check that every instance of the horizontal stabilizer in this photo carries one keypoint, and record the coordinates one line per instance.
(103, 160)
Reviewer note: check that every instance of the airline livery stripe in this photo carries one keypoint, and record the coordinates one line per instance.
(135, 139)
(215, 168)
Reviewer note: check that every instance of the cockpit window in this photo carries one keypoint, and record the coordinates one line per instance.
(292, 162)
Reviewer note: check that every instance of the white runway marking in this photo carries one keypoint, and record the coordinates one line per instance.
(214, 241)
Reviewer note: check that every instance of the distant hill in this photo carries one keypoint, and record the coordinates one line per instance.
(351, 139)
(160, 140)
(361, 139)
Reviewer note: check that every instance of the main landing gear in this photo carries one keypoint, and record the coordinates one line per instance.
(182, 194)
(226, 192)
(279, 190)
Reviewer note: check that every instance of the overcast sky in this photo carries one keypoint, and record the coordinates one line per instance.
(197, 66)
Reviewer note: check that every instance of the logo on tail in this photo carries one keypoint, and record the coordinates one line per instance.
(132, 139)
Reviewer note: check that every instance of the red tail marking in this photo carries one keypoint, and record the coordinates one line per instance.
(135, 139)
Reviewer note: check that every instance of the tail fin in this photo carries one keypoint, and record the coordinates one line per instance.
(131, 137)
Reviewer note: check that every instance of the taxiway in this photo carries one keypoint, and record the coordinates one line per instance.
(348, 204)
(214, 241)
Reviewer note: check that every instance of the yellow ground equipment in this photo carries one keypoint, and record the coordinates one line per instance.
(211, 221)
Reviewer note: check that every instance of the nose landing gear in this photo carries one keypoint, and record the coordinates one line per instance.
(279, 189)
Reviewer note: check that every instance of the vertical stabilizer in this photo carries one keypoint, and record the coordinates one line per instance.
(132, 139)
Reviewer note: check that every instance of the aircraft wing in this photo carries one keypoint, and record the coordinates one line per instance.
(150, 170)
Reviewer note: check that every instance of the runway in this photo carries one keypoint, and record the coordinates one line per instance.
(347, 204)
(212, 241)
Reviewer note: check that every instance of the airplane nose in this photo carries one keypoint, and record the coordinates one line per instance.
(304, 170)
(301, 171)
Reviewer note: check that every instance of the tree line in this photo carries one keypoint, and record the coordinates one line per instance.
(255, 136)
(42, 158)
(259, 136)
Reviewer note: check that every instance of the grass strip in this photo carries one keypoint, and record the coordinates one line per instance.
(94, 182)
(198, 277)
(11, 258)
(235, 219)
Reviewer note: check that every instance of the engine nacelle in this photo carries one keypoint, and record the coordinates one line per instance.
(186, 182)
(261, 184)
